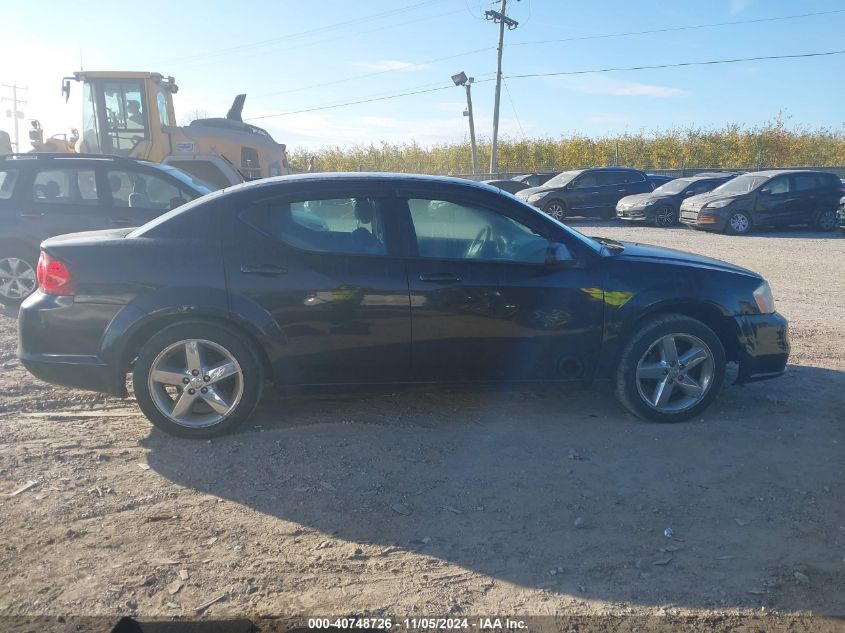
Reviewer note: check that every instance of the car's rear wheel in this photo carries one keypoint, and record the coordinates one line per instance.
(665, 217)
(555, 209)
(671, 369)
(826, 220)
(739, 223)
(17, 274)
(197, 379)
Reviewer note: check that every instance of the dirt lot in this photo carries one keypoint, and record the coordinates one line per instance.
(462, 502)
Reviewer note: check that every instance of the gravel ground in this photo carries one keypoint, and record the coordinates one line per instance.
(451, 501)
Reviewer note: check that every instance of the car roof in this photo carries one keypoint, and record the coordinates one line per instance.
(68, 156)
(357, 176)
(771, 173)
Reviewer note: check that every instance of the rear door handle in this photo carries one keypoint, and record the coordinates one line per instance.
(121, 221)
(30, 215)
(440, 278)
(268, 270)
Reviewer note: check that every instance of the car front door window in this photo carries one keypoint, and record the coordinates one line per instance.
(139, 190)
(450, 230)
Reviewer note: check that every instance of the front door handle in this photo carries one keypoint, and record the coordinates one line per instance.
(30, 215)
(440, 278)
(121, 221)
(268, 270)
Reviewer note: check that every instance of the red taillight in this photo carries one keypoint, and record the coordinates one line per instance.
(54, 277)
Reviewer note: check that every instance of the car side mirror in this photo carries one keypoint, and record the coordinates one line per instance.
(176, 202)
(765, 191)
(559, 255)
(689, 193)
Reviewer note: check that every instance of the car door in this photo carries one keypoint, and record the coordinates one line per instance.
(321, 263)
(484, 303)
(135, 195)
(776, 202)
(63, 197)
(805, 193)
(584, 194)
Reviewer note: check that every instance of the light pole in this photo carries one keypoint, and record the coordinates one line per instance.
(461, 79)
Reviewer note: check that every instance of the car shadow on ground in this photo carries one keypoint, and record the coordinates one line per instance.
(559, 491)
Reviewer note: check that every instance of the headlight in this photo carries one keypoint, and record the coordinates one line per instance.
(536, 196)
(718, 204)
(763, 298)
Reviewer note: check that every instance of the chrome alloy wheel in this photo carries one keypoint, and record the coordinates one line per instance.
(675, 373)
(17, 278)
(195, 383)
(664, 217)
(556, 210)
(739, 222)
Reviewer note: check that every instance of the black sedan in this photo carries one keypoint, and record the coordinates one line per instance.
(661, 207)
(351, 279)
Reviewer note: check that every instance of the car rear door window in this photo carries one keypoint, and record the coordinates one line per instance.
(352, 226)
(8, 178)
(65, 186)
(803, 182)
(451, 230)
(142, 190)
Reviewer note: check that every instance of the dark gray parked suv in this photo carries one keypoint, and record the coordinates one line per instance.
(42, 195)
(777, 197)
(592, 192)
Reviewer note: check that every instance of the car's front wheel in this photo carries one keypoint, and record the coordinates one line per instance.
(671, 369)
(197, 379)
(739, 223)
(17, 274)
(665, 217)
(555, 209)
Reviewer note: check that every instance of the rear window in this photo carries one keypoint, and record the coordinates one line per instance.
(8, 178)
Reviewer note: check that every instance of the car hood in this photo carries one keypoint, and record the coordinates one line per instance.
(636, 251)
(642, 198)
(704, 198)
(527, 193)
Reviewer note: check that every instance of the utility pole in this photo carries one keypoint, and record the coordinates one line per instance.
(499, 17)
(14, 112)
(461, 79)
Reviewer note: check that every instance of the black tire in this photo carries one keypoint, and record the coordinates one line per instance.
(18, 252)
(826, 220)
(665, 216)
(555, 209)
(230, 339)
(735, 224)
(641, 341)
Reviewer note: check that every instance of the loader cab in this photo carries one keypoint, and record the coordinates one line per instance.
(124, 114)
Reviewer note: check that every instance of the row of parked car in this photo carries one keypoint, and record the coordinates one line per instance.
(732, 202)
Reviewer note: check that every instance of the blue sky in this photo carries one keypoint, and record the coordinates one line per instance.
(289, 56)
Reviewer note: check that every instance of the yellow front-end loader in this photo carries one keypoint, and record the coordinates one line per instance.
(131, 114)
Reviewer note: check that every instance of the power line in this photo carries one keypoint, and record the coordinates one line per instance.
(513, 107)
(374, 73)
(712, 62)
(538, 42)
(367, 100)
(679, 28)
(301, 34)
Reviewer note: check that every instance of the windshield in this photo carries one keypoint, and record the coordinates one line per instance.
(184, 177)
(673, 186)
(741, 184)
(562, 179)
